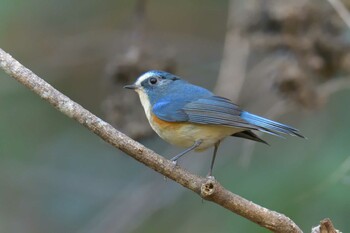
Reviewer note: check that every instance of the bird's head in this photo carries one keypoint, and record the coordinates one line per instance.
(154, 84)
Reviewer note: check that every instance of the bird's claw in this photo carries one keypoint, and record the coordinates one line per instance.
(174, 162)
(210, 177)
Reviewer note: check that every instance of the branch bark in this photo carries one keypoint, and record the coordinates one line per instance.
(208, 189)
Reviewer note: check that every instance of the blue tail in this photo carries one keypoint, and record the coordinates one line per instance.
(269, 126)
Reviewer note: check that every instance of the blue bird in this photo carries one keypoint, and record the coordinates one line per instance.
(190, 116)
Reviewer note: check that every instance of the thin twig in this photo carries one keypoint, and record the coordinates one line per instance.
(207, 188)
(341, 10)
(332, 86)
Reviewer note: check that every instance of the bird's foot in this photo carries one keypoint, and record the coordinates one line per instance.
(174, 161)
(210, 177)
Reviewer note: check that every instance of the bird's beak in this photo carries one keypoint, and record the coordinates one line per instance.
(132, 87)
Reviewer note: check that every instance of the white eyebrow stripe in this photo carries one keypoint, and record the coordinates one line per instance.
(144, 77)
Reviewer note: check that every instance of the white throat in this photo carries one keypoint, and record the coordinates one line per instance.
(146, 104)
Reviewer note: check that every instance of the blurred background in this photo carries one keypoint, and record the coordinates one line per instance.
(286, 60)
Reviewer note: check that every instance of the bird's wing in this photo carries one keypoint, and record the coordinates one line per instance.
(171, 111)
(213, 110)
(217, 111)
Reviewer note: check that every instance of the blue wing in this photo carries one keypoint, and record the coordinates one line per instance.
(171, 111)
(205, 110)
(217, 110)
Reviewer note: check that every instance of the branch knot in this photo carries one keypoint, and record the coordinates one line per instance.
(208, 187)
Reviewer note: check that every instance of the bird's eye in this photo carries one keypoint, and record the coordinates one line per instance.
(153, 81)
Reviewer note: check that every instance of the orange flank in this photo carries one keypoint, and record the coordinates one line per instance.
(185, 134)
(166, 124)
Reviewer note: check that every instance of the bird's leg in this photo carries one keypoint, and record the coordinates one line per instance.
(216, 146)
(194, 146)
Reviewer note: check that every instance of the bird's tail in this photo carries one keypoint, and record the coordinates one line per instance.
(269, 126)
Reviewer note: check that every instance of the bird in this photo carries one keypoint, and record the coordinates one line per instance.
(192, 117)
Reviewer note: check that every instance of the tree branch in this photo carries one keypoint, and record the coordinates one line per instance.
(326, 226)
(207, 188)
